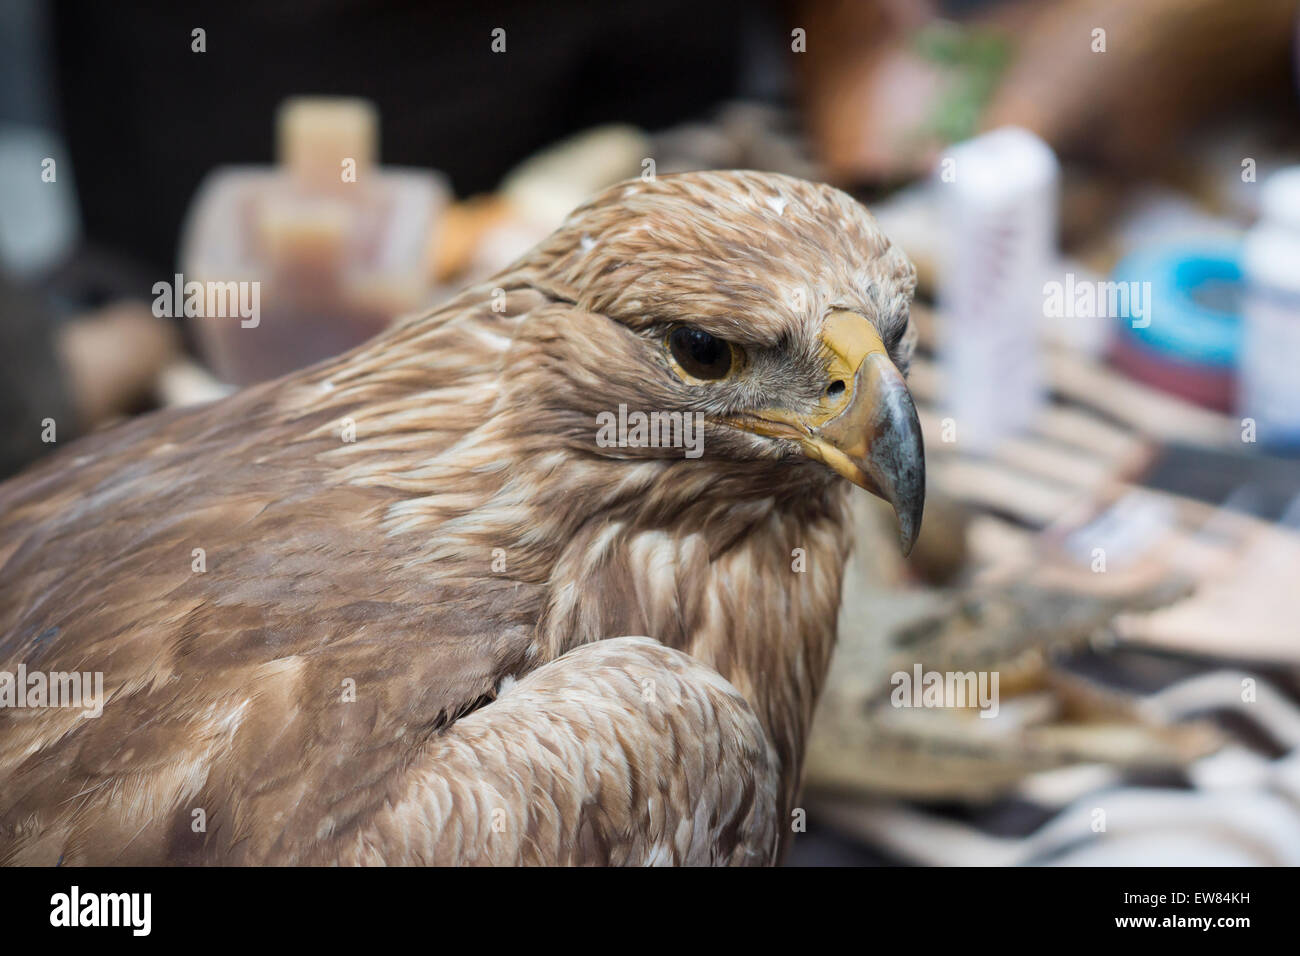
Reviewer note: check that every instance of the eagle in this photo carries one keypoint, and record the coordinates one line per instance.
(404, 607)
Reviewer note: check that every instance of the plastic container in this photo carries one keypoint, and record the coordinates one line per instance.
(999, 213)
(329, 245)
(1269, 389)
(1191, 342)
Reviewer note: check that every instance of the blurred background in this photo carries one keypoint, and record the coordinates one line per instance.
(1102, 198)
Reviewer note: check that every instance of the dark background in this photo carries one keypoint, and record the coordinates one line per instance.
(145, 118)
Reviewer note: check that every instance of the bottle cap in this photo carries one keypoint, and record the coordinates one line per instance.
(317, 135)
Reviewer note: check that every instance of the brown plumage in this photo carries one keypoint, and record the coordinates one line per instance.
(561, 652)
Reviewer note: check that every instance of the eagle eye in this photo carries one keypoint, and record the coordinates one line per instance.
(701, 355)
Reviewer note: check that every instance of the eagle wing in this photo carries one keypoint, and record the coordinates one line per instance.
(270, 656)
(597, 757)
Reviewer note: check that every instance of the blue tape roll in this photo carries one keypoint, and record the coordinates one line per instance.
(1183, 327)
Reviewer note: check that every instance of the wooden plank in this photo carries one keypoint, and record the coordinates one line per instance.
(1081, 429)
(1146, 409)
(1069, 467)
(991, 485)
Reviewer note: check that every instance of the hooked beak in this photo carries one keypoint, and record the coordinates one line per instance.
(865, 427)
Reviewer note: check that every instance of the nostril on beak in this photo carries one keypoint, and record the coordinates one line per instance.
(835, 389)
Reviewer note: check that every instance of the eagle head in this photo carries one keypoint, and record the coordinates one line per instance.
(771, 310)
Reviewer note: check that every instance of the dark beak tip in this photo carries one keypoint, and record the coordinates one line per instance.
(909, 529)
